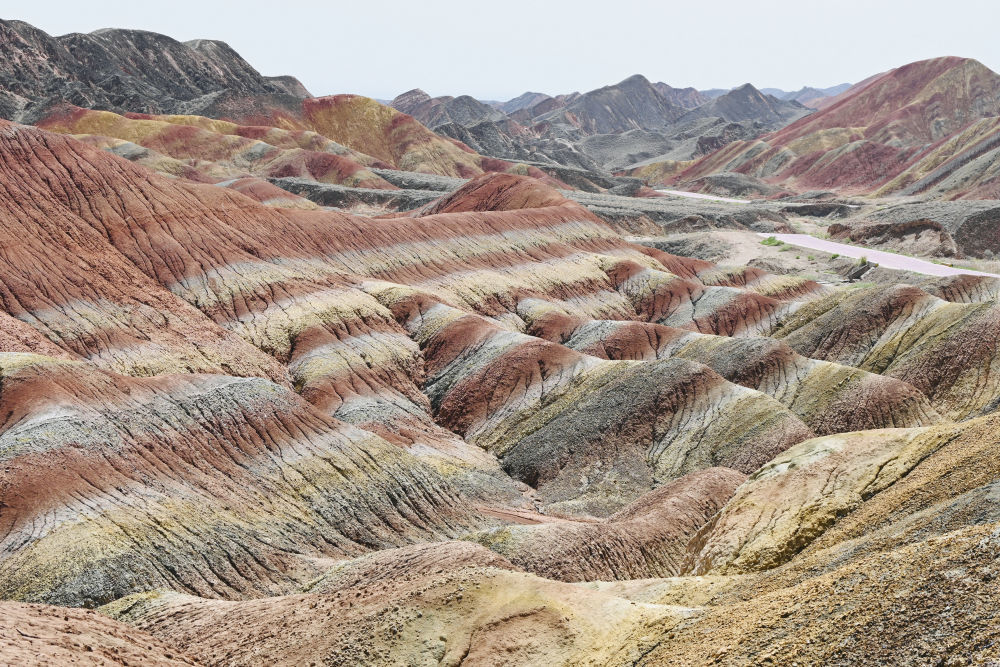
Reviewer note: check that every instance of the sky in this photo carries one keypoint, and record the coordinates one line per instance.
(497, 50)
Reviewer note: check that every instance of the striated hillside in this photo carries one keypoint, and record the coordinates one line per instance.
(211, 402)
(219, 150)
(389, 135)
(245, 157)
(295, 380)
(925, 128)
(122, 71)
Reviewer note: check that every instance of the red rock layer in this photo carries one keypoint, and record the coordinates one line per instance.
(217, 144)
(497, 193)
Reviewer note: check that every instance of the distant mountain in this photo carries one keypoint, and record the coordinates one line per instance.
(811, 97)
(409, 101)
(523, 101)
(615, 127)
(543, 106)
(130, 70)
(629, 105)
(807, 95)
(932, 126)
(746, 103)
(688, 98)
(712, 93)
(436, 111)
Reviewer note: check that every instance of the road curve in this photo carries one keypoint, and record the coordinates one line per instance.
(698, 195)
(885, 259)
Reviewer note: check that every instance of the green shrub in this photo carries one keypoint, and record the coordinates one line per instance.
(835, 255)
(770, 240)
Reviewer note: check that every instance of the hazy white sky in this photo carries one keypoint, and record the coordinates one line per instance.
(496, 50)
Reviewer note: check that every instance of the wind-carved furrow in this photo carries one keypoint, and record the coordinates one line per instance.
(757, 281)
(588, 435)
(122, 318)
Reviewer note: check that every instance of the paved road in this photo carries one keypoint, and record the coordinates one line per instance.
(885, 259)
(698, 195)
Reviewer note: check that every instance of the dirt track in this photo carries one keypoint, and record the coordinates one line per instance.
(885, 259)
(698, 195)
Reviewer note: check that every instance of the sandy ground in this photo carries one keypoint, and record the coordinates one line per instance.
(884, 259)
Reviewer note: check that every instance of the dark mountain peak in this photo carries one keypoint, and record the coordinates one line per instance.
(131, 33)
(290, 85)
(635, 80)
(631, 104)
(435, 112)
(749, 93)
(212, 47)
(747, 103)
(415, 92)
(129, 70)
(523, 101)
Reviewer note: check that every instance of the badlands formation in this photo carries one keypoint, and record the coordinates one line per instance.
(298, 380)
